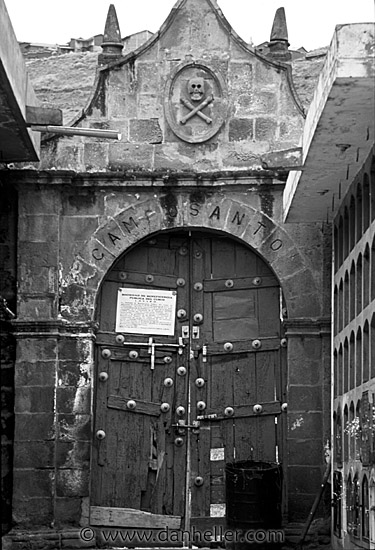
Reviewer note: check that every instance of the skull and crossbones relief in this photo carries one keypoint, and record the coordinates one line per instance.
(196, 89)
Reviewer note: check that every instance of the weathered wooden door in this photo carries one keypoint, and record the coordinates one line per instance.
(173, 409)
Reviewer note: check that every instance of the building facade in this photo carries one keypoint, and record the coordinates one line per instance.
(339, 130)
(354, 376)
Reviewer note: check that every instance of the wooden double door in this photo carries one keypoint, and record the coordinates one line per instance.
(176, 401)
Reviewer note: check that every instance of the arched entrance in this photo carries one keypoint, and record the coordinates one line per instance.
(190, 375)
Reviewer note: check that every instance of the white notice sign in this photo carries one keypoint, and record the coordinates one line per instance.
(146, 311)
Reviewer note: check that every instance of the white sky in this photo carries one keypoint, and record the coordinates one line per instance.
(311, 23)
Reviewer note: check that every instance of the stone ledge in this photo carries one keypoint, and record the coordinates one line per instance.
(317, 538)
(145, 178)
(45, 540)
(305, 326)
(55, 327)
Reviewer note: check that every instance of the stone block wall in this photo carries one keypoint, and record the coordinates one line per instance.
(53, 368)
(53, 425)
(8, 274)
(308, 412)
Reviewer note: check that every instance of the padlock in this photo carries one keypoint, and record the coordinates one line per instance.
(165, 407)
(103, 376)
(201, 405)
(198, 481)
(179, 441)
(133, 354)
(106, 353)
(180, 411)
(198, 318)
(199, 382)
(100, 434)
(228, 346)
(120, 339)
(229, 411)
(131, 404)
(257, 409)
(257, 344)
(284, 407)
(168, 382)
(181, 371)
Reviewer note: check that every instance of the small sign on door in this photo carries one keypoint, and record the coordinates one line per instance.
(146, 311)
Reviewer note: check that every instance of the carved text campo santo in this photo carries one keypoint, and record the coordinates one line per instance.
(214, 214)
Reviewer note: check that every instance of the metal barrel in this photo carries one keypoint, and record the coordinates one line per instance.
(253, 498)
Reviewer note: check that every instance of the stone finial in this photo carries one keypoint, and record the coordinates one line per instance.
(279, 28)
(278, 44)
(112, 44)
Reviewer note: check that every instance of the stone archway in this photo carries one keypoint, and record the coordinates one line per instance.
(124, 227)
(295, 261)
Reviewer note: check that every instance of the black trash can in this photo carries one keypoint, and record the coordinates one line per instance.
(253, 495)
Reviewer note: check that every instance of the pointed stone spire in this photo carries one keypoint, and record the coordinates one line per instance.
(279, 28)
(112, 44)
(278, 44)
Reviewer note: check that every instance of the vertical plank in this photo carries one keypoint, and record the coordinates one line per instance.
(223, 258)
(108, 306)
(200, 443)
(269, 311)
(246, 262)
(222, 396)
(135, 260)
(110, 418)
(265, 370)
(99, 446)
(161, 394)
(177, 468)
